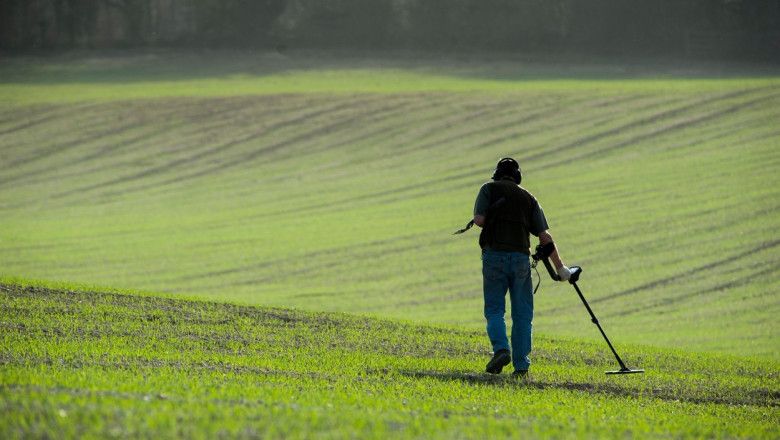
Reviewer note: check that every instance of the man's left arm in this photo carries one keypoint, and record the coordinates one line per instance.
(540, 228)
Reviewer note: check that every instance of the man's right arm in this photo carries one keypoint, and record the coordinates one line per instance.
(563, 271)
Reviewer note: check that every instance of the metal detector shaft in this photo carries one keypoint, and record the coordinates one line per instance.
(596, 321)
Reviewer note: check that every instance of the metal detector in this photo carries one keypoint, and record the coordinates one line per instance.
(542, 254)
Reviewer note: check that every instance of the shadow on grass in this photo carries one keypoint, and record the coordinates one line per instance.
(755, 397)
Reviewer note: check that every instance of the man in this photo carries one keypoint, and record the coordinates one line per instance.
(507, 214)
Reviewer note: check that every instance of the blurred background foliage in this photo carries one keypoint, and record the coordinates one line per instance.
(717, 29)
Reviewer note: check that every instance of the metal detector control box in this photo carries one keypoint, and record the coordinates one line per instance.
(543, 252)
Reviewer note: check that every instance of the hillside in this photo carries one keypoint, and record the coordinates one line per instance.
(336, 186)
(86, 363)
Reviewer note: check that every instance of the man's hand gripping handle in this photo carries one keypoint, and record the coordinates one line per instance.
(543, 252)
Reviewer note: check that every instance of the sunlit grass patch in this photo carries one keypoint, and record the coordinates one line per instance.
(91, 363)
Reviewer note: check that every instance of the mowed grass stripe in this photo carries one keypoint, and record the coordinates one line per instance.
(450, 142)
(635, 121)
(153, 147)
(650, 166)
(145, 114)
(339, 126)
(205, 154)
(196, 143)
(22, 118)
(200, 132)
(656, 134)
(464, 145)
(298, 139)
(385, 121)
(344, 143)
(92, 125)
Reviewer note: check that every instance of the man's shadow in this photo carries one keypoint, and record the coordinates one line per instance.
(506, 380)
(762, 397)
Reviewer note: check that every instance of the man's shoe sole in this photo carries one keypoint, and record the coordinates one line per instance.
(498, 363)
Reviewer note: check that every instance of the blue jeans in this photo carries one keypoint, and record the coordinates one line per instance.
(502, 271)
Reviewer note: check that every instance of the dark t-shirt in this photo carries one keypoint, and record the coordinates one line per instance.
(538, 221)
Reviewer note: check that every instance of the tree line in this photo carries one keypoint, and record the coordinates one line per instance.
(709, 28)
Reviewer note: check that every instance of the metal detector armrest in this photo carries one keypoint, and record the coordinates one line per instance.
(543, 252)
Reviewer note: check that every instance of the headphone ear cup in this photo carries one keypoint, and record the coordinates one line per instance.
(517, 177)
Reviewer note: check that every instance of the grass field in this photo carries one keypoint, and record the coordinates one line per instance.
(96, 364)
(333, 185)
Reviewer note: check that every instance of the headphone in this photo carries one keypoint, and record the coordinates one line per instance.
(508, 167)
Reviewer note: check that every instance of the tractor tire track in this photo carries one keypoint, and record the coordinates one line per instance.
(337, 263)
(45, 115)
(406, 188)
(458, 120)
(679, 276)
(385, 129)
(62, 147)
(37, 176)
(249, 157)
(205, 113)
(666, 302)
(58, 148)
(473, 174)
(445, 125)
(640, 122)
(559, 110)
(286, 261)
(201, 155)
(533, 130)
(391, 128)
(281, 268)
(522, 118)
(183, 107)
(659, 132)
(446, 182)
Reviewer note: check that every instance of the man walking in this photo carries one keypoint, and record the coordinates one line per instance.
(507, 214)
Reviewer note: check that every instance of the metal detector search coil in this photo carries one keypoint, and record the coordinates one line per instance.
(542, 254)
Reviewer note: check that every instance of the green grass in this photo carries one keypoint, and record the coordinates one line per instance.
(86, 363)
(155, 75)
(665, 189)
(333, 185)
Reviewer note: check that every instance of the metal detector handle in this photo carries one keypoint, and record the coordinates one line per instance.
(550, 270)
(576, 271)
(543, 252)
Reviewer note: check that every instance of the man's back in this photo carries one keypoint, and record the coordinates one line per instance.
(511, 215)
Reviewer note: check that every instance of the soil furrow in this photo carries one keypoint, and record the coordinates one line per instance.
(682, 125)
(647, 120)
(672, 300)
(260, 152)
(210, 152)
(680, 276)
